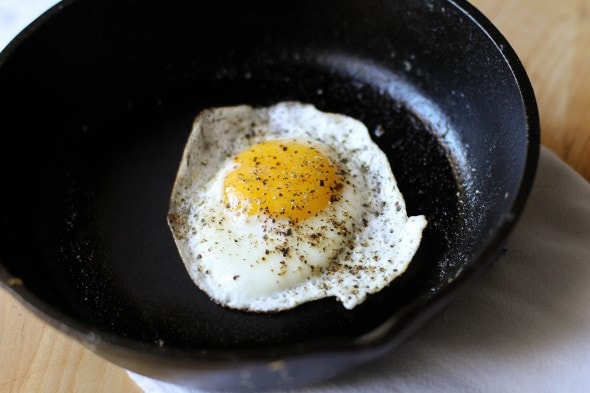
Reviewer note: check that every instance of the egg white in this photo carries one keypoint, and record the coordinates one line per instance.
(254, 263)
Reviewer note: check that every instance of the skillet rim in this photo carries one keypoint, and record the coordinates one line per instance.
(394, 329)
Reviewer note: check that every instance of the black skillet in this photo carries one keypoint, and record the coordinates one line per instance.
(97, 102)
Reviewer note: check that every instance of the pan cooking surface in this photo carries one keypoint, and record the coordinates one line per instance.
(112, 252)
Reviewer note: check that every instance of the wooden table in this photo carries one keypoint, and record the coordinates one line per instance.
(552, 38)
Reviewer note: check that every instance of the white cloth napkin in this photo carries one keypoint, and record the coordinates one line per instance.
(524, 326)
(15, 15)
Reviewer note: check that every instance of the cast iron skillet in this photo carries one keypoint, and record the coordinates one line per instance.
(98, 99)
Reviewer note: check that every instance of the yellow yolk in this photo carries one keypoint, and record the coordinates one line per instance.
(282, 179)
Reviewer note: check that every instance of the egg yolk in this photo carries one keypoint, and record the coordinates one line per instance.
(282, 179)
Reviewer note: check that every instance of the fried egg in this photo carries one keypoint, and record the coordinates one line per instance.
(273, 207)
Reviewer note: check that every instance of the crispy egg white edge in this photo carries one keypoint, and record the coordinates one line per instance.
(388, 227)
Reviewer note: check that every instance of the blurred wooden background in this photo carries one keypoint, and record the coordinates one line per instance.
(552, 38)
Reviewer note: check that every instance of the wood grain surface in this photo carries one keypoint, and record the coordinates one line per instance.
(552, 38)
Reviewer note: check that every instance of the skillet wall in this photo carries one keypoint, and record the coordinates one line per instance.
(86, 87)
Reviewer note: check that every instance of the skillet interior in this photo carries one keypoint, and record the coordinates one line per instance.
(99, 99)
